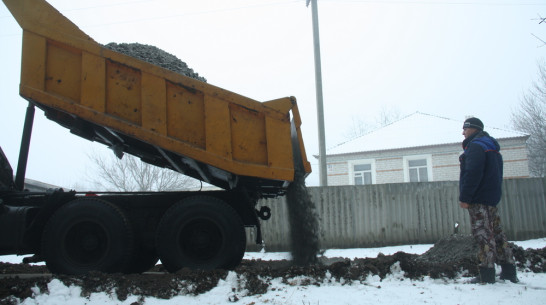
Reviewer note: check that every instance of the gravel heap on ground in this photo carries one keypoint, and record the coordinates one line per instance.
(155, 56)
(454, 248)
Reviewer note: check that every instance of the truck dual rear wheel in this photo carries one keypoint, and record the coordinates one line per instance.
(87, 234)
(200, 232)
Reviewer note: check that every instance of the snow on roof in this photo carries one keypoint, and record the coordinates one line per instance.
(414, 130)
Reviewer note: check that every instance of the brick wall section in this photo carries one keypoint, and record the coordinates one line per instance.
(445, 162)
(389, 169)
(516, 163)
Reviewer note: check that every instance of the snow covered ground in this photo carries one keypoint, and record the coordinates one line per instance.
(395, 289)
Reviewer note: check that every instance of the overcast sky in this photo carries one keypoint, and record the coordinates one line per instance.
(448, 58)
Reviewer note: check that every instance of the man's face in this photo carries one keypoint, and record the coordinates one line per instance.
(467, 132)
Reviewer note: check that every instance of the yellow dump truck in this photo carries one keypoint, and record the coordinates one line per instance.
(250, 149)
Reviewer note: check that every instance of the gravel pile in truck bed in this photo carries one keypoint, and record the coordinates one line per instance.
(156, 56)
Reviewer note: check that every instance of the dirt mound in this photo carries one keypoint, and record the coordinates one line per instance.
(447, 259)
(450, 256)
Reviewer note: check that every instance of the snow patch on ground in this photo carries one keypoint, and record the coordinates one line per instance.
(393, 289)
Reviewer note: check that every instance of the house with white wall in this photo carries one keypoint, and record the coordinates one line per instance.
(417, 148)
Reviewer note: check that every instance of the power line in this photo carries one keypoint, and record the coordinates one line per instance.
(271, 3)
(438, 2)
(155, 2)
(106, 5)
(544, 42)
(202, 12)
(93, 7)
(274, 3)
(542, 20)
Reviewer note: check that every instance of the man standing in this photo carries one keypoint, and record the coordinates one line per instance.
(480, 189)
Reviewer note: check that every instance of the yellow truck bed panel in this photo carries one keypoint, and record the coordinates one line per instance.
(165, 118)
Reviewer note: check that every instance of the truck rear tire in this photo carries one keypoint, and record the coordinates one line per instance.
(87, 235)
(200, 232)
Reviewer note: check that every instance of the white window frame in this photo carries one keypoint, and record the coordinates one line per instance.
(351, 165)
(406, 160)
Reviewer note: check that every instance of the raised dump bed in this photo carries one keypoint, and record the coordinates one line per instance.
(251, 149)
(165, 118)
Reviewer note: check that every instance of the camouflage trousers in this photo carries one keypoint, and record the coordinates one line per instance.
(487, 231)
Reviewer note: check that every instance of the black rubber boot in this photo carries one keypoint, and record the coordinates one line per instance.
(508, 272)
(486, 276)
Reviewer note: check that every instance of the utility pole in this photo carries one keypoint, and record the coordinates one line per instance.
(318, 84)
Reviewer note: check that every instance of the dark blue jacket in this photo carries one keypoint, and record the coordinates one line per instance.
(480, 180)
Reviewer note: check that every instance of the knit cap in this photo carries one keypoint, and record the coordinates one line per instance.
(473, 123)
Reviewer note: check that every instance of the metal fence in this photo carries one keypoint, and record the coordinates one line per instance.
(404, 213)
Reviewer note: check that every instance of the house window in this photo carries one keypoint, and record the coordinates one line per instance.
(418, 168)
(362, 172)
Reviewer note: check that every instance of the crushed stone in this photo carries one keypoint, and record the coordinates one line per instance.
(303, 220)
(156, 56)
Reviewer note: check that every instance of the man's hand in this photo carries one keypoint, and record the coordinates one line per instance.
(464, 205)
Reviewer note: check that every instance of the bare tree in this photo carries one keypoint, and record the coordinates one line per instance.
(387, 116)
(130, 174)
(360, 127)
(357, 128)
(530, 118)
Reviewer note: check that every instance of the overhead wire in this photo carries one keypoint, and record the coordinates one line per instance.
(201, 12)
(439, 2)
(279, 2)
